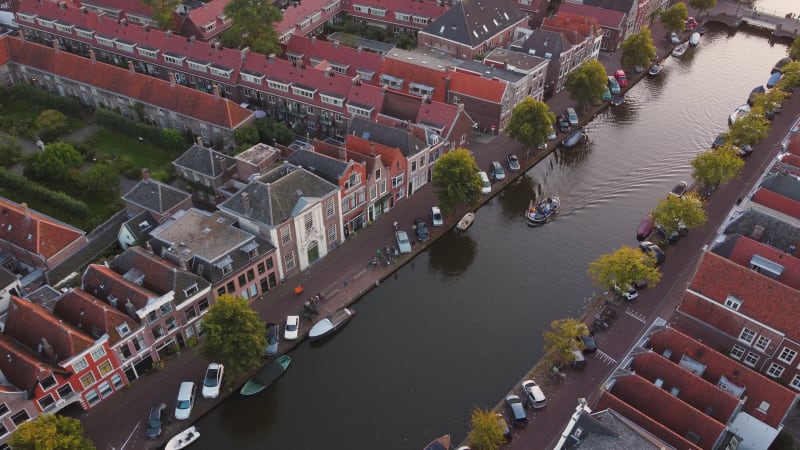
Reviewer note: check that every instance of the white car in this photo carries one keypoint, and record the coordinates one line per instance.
(292, 328)
(185, 402)
(213, 380)
(533, 394)
(436, 217)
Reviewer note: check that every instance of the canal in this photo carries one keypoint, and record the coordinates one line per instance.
(460, 325)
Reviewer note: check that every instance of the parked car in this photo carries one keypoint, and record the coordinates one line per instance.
(154, 421)
(497, 171)
(403, 244)
(679, 189)
(513, 162)
(519, 418)
(673, 38)
(572, 117)
(486, 186)
(504, 427)
(421, 230)
(534, 395)
(213, 380)
(563, 124)
(588, 343)
(578, 360)
(183, 407)
(552, 136)
(606, 94)
(613, 85)
(744, 151)
(436, 216)
(653, 250)
(629, 294)
(622, 79)
(272, 339)
(292, 328)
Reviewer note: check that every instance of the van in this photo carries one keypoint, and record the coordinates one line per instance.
(486, 187)
(183, 407)
(580, 361)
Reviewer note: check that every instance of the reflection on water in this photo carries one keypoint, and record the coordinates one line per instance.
(569, 157)
(455, 254)
(516, 197)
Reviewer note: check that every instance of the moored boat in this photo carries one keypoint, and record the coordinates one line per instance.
(440, 443)
(266, 375)
(738, 112)
(702, 30)
(680, 50)
(655, 69)
(330, 324)
(542, 212)
(183, 439)
(645, 228)
(465, 221)
(694, 39)
(573, 138)
(617, 100)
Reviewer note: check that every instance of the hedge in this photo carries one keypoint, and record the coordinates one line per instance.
(28, 189)
(46, 100)
(127, 127)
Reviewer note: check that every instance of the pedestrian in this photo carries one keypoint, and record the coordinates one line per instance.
(395, 225)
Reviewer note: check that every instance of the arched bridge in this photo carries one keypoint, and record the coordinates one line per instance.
(734, 15)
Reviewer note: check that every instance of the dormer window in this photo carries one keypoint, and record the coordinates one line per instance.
(220, 71)
(191, 290)
(30, 18)
(278, 85)
(252, 77)
(209, 27)
(64, 27)
(106, 41)
(251, 248)
(225, 265)
(47, 23)
(123, 329)
(303, 91)
(392, 82)
(733, 303)
(174, 59)
(86, 34)
(419, 89)
(112, 301)
(148, 52)
(198, 66)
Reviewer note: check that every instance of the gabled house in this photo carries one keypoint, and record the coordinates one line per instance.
(473, 27)
(396, 16)
(136, 230)
(488, 101)
(554, 47)
(583, 32)
(341, 59)
(204, 172)
(532, 68)
(294, 210)
(628, 7)
(206, 21)
(415, 73)
(159, 199)
(613, 23)
(305, 18)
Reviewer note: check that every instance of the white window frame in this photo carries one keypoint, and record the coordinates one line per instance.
(278, 86)
(197, 66)
(795, 383)
(147, 53)
(745, 334)
(762, 343)
(775, 370)
(252, 78)
(98, 354)
(784, 356)
(175, 60)
(80, 365)
(737, 352)
(751, 359)
(733, 303)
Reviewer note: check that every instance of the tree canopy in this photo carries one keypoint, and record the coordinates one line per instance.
(769, 101)
(673, 213)
(56, 163)
(674, 18)
(10, 151)
(101, 180)
(717, 166)
(163, 12)
(702, 5)
(791, 76)
(485, 433)
(624, 267)
(749, 129)
(51, 432)
(233, 335)
(455, 176)
(794, 49)
(587, 83)
(51, 124)
(564, 335)
(531, 122)
(253, 26)
(638, 49)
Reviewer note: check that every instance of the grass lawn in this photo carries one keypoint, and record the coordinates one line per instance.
(143, 154)
(19, 108)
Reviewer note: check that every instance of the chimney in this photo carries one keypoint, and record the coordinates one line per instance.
(372, 148)
(190, 39)
(356, 81)
(329, 72)
(360, 49)
(168, 34)
(146, 175)
(313, 39)
(55, 45)
(271, 57)
(91, 55)
(130, 68)
(199, 141)
(425, 98)
(244, 52)
(246, 202)
(171, 77)
(216, 91)
(335, 44)
(26, 211)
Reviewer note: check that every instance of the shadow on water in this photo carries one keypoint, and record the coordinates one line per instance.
(516, 196)
(570, 157)
(453, 254)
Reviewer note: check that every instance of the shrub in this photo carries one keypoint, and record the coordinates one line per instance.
(27, 189)
(42, 98)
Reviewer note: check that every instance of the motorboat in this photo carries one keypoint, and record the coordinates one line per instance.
(773, 80)
(655, 69)
(183, 439)
(645, 228)
(266, 376)
(542, 212)
(330, 324)
(679, 189)
(440, 443)
(738, 113)
(617, 100)
(680, 50)
(702, 30)
(465, 221)
(694, 39)
(756, 90)
(573, 138)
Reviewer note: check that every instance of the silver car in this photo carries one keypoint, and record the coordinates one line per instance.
(403, 244)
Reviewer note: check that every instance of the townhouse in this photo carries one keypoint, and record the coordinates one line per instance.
(388, 178)
(306, 18)
(628, 7)
(553, 46)
(584, 33)
(395, 16)
(205, 21)
(533, 67)
(613, 23)
(343, 60)
(204, 172)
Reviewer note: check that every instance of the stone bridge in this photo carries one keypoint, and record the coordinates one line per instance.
(734, 15)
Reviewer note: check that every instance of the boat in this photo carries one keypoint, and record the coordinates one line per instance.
(617, 100)
(679, 50)
(738, 112)
(655, 69)
(183, 439)
(702, 30)
(573, 138)
(266, 376)
(756, 90)
(773, 80)
(465, 221)
(541, 213)
(645, 228)
(778, 67)
(440, 443)
(694, 39)
(330, 324)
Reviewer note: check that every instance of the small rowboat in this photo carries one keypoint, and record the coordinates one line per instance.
(266, 376)
(183, 439)
(330, 324)
(465, 221)
(645, 228)
(440, 443)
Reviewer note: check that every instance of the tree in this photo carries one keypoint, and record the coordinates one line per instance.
(10, 151)
(674, 19)
(702, 5)
(673, 213)
(769, 101)
(163, 12)
(253, 26)
(638, 49)
(563, 337)
(51, 124)
(233, 335)
(749, 129)
(455, 176)
(56, 163)
(271, 131)
(717, 166)
(246, 136)
(791, 76)
(587, 83)
(531, 122)
(622, 268)
(794, 49)
(51, 432)
(101, 180)
(485, 433)
(172, 139)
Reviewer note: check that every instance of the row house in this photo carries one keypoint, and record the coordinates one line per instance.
(206, 21)
(473, 27)
(31, 245)
(613, 23)
(489, 102)
(166, 301)
(14, 406)
(584, 33)
(133, 12)
(533, 68)
(416, 73)
(554, 47)
(211, 246)
(204, 172)
(536, 10)
(628, 7)
(395, 16)
(294, 210)
(370, 45)
(306, 18)
(351, 177)
(388, 176)
(343, 60)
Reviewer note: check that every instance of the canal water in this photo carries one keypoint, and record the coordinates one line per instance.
(463, 323)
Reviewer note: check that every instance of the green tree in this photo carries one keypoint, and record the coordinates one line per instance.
(673, 213)
(233, 335)
(51, 124)
(101, 180)
(485, 433)
(638, 49)
(717, 166)
(245, 137)
(623, 267)
(271, 131)
(172, 139)
(253, 26)
(56, 163)
(769, 101)
(455, 176)
(10, 151)
(674, 19)
(749, 129)
(791, 76)
(163, 12)
(531, 122)
(564, 335)
(51, 432)
(794, 49)
(702, 5)
(587, 83)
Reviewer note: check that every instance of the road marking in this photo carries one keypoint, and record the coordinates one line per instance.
(605, 357)
(360, 273)
(636, 315)
(130, 436)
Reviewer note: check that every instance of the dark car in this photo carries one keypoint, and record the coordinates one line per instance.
(519, 418)
(272, 339)
(421, 229)
(654, 251)
(563, 124)
(744, 151)
(154, 421)
(513, 162)
(589, 344)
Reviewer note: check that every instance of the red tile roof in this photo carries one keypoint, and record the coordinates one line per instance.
(777, 202)
(745, 248)
(209, 12)
(429, 76)
(102, 282)
(297, 11)
(794, 145)
(758, 387)
(87, 313)
(438, 113)
(35, 232)
(606, 17)
(792, 160)
(21, 366)
(475, 86)
(575, 27)
(429, 9)
(392, 157)
(335, 53)
(139, 8)
(180, 99)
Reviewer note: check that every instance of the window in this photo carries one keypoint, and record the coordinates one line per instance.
(795, 382)
(303, 92)
(737, 352)
(20, 417)
(98, 353)
(91, 397)
(221, 291)
(253, 290)
(775, 370)
(277, 85)
(231, 287)
(763, 342)
(331, 100)
(158, 332)
(763, 407)
(270, 264)
(260, 268)
(332, 233)
(286, 236)
(361, 9)
(105, 389)
(403, 17)
(171, 323)
(329, 208)
(190, 313)
(48, 382)
(255, 79)
(46, 401)
(220, 72)
(87, 380)
(397, 180)
(242, 280)
(751, 359)
(3, 409)
(378, 12)
(173, 59)
(123, 329)
(116, 380)
(198, 66)
(289, 261)
(191, 290)
(79, 365)
(359, 111)
(250, 275)
(64, 390)
(733, 303)
(152, 316)
(420, 20)
(166, 308)
(747, 335)
(787, 355)
(309, 221)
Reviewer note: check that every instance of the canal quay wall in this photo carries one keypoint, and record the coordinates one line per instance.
(341, 278)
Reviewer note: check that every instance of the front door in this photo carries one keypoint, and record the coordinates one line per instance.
(313, 252)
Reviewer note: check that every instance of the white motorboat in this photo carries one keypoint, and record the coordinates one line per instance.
(680, 50)
(183, 439)
(694, 39)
